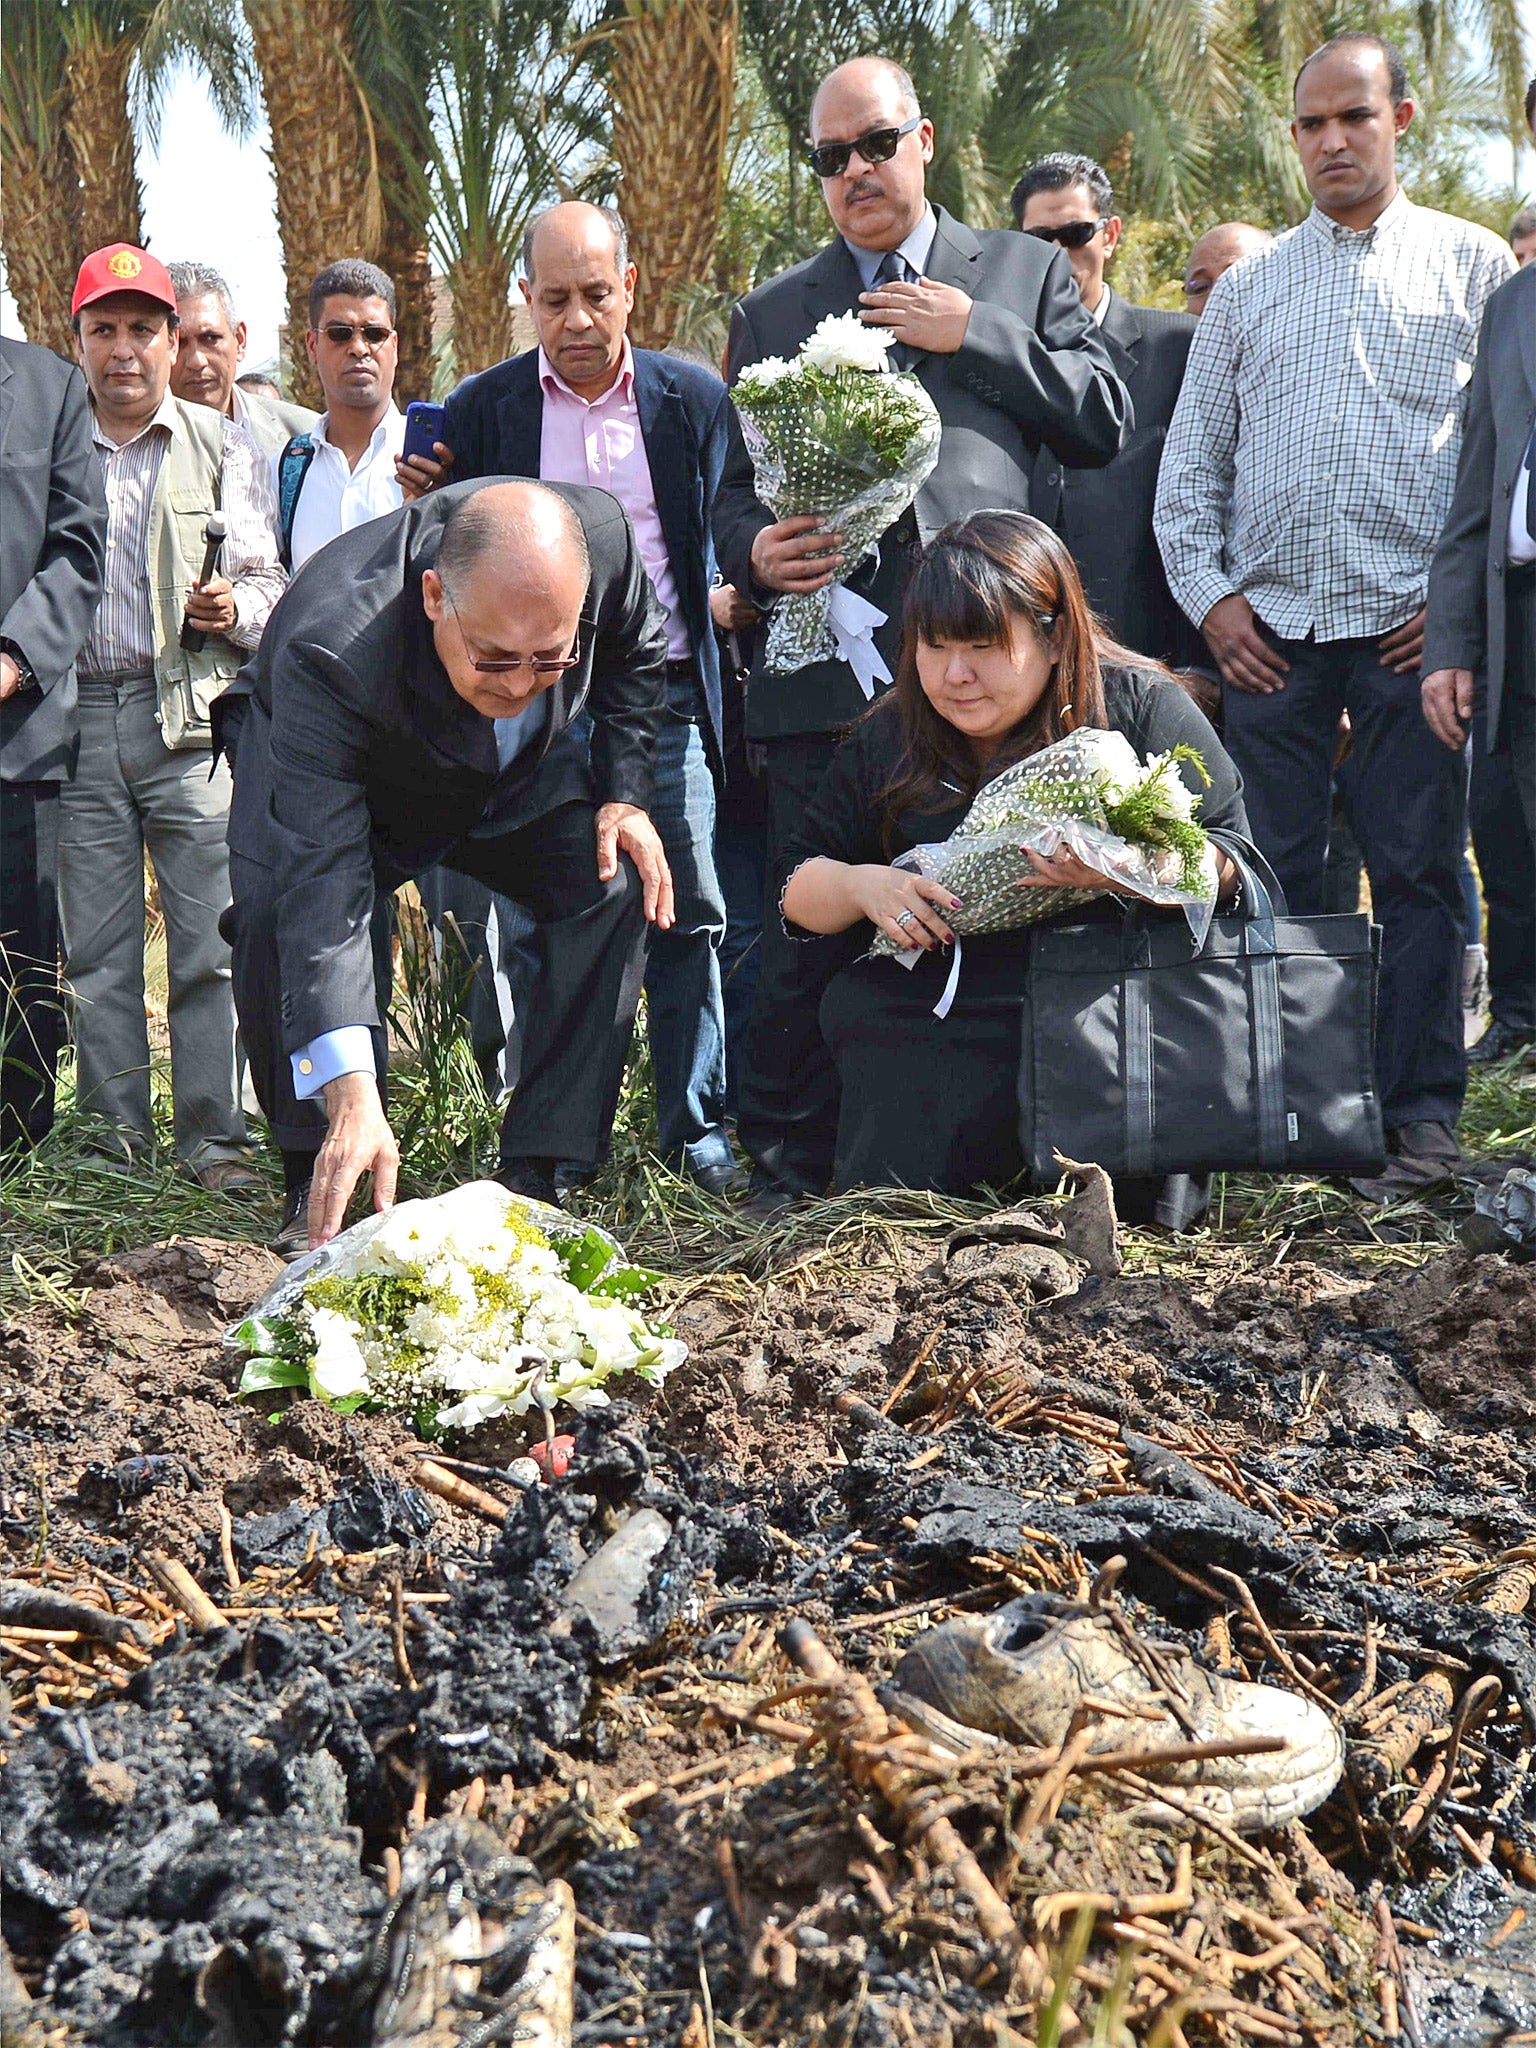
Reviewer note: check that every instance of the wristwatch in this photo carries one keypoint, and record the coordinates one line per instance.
(26, 680)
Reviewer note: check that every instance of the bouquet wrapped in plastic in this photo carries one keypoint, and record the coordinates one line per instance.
(836, 432)
(1089, 795)
(455, 1310)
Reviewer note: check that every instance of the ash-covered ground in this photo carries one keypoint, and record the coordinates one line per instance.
(202, 1826)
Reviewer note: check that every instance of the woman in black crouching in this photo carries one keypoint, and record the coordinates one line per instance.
(1000, 657)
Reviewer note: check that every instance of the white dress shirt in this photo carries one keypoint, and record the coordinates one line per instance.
(1312, 456)
(335, 497)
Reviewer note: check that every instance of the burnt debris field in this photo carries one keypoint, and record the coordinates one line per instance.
(317, 1734)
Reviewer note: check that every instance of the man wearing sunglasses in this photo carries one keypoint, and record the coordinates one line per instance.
(1105, 515)
(412, 706)
(342, 472)
(995, 329)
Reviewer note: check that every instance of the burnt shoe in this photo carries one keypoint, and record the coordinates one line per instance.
(471, 1948)
(1023, 1672)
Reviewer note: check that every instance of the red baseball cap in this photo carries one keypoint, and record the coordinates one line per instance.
(120, 267)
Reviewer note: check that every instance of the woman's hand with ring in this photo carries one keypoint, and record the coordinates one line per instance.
(906, 907)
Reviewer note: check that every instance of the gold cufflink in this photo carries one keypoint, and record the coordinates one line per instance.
(306, 1066)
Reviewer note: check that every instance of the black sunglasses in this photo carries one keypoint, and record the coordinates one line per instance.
(340, 333)
(830, 159)
(1075, 234)
(546, 666)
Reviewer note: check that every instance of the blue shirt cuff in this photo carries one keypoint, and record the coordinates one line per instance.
(347, 1051)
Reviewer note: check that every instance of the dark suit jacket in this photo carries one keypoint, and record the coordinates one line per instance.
(1105, 515)
(53, 543)
(1467, 615)
(1031, 372)
(353, 753)
(494, 425)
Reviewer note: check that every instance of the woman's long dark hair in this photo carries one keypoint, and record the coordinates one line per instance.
(989, 578)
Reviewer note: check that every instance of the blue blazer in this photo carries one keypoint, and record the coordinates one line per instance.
(494, 425)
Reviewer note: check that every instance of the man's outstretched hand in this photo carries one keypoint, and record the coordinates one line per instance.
(626, 828)
(359, 1141)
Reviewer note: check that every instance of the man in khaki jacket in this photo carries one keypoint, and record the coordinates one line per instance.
(143, 780)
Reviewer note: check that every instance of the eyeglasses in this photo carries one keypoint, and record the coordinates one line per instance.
(541, 665)
(340, 333)
(830, 159)
(1073, 234)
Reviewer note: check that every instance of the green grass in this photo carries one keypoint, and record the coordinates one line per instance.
(62, 1207)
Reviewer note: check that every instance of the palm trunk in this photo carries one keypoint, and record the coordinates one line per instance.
(322, 154)
(42, 235)
(673, 87)
(100, 132)
(403, 253)
(482, 313)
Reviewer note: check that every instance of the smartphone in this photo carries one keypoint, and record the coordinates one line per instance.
(423, 426)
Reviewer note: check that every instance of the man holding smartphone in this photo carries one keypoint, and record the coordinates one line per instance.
(342, 472)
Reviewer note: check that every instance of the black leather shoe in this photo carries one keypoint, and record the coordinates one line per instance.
(726, 1183)
(533, 1179)
(1499, 1042)
(291, 1240)
(767, 1199)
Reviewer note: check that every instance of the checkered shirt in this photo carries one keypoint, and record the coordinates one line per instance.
(1312, 456)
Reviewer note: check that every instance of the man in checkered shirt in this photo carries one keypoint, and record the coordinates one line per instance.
(1308, 472)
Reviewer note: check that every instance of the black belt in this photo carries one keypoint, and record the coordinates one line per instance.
(115, 678)
(686, 666)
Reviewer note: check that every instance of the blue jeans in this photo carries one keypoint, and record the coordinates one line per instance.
(1407, 803)
(684, 1009)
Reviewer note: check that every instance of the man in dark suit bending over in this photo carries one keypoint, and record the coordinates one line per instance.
(412, 703)
(993, 326)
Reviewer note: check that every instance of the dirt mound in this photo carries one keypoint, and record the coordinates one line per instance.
(924, 1437)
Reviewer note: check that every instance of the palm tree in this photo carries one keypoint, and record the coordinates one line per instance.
(513, 121)
(672, 81)
(40, 222)
(324, 149)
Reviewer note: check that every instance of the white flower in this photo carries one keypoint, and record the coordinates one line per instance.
(843, 342)
(1178, 797)
(338, 1367)
(768, 371)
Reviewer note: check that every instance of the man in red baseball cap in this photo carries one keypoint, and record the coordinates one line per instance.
(121, 268)
(166, 640)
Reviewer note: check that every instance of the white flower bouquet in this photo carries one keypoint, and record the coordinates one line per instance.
(1086, 794)
(455, 1310)
(835, 431)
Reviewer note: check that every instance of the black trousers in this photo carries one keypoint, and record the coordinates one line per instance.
(1503, 810)
(32, 1025)
(590, 945)
(1408, 809)
(787, 1091)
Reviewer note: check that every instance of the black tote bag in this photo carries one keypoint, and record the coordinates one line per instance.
(1257, 1051)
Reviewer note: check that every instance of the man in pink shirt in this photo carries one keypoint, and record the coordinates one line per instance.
(585, 407)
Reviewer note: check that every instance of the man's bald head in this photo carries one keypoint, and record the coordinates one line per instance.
(575, 224)
(517, 532)
(1214, 255)
(511, 579)
(865, 75)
